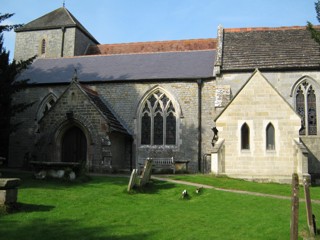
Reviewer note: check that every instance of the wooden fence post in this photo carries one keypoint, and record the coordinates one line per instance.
(306, 184)
(294, 207)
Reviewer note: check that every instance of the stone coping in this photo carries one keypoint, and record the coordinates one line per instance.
(9, 183)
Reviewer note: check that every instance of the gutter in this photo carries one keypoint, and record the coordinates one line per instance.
(63, 29)
(200, 84)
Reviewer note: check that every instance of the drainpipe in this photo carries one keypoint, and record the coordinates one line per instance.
(63, 29)
(199, 82)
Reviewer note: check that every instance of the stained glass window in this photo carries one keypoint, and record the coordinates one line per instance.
(306, 107)
(158, 129)
(158, 121)
(312, 112)
(245, 137)
(171, 130)
(146, 129)
(300, 108)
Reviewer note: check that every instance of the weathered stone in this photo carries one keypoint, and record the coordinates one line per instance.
(41, 175)
(72, 176)
(146, 174)
(8, 196)
(133, 179)
(60, 173)
(9, 183)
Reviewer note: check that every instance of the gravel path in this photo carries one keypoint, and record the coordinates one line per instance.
(161, 178)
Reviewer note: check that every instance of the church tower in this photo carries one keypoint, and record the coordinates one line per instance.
(56, 34)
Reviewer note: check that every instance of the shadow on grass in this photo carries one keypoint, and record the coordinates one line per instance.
(26, 207)
(23, 208)
(28, 180)
(64, 229)
(153, 187)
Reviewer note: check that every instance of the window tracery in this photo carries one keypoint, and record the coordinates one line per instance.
(306, 107)
(158, 120)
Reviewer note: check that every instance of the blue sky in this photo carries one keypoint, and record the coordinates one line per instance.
(118, 21)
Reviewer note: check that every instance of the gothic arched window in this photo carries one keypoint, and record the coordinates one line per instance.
(306, 107)
(46, 105)
(245, 137)
(270, 137)
(158, 120)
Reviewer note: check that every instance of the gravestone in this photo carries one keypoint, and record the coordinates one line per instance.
(146, 174)
(310, 220)
(9, 190)
(294, 207)
(133, 179)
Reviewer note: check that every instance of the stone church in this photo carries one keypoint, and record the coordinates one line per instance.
(244, 104)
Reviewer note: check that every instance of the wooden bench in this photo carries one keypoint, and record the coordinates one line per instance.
(161, 163)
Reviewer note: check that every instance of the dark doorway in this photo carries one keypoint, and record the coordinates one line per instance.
(74, 146)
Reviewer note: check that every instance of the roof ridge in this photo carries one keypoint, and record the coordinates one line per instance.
(251, 29)
(160, 41)
(88, 89)
(122, 54)
(70, 15)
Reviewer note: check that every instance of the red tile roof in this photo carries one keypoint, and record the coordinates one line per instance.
(158, 46)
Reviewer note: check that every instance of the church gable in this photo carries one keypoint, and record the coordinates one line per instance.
(83, 101)
(258, 128)
(56, 19)
(256, 98)
(56, 34)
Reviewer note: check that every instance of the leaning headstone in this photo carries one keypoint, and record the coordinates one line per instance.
(9, 190)
(306, 184)
(72, 176)
(41, 175)
(146, 174)
(133, 179)
(294, 207)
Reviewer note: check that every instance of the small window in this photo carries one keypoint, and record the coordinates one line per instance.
(270, 137)
(43, 46)
(245, 137)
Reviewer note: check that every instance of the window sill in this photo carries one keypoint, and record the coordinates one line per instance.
(271, 151)
(245, 151)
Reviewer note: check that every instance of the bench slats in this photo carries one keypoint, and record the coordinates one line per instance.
(161, 163)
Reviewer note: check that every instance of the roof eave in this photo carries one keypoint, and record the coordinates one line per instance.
(270, 69)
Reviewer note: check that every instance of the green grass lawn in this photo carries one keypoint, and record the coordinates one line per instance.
(229, 183)
(102, 209)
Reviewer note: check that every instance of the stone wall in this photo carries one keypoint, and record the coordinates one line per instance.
(22, 141)
(284, 82)
(28, 43)
(81, 43)
(257, 105)
(124, 107)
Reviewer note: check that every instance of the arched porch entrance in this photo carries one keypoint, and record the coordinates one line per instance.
(74, 145)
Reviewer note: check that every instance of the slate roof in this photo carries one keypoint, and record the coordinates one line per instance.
(114, 123)
(100, 68)
(56, 19)
(269, 48)
(157, 46)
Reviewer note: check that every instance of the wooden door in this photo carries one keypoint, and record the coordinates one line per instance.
(74, 145)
